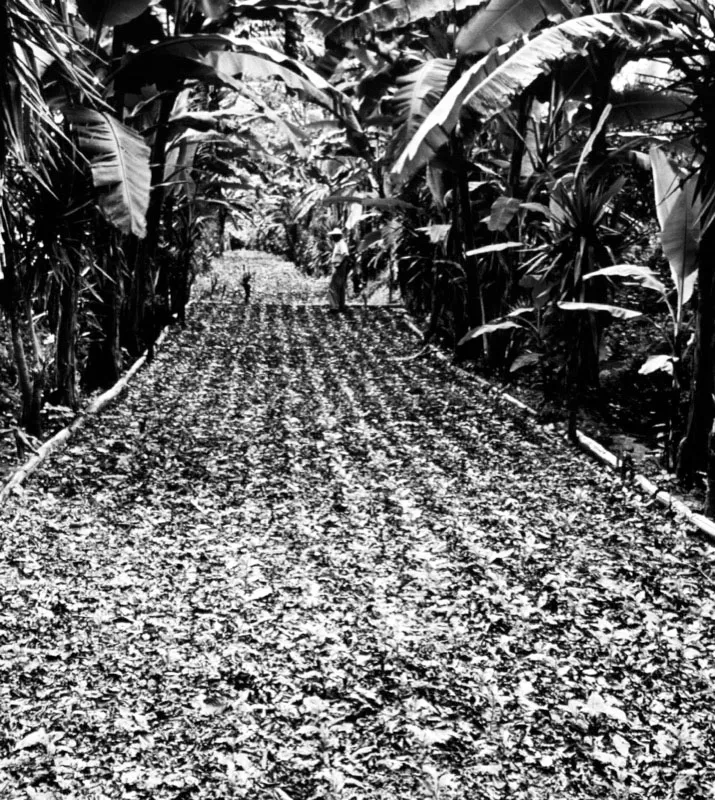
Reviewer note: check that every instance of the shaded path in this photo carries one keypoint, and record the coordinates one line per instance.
(295, 562)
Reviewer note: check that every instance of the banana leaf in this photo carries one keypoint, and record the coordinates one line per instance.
(503, 20)
(678, 209)
(489, 327)
(391, 15)
(108, 13)
(659, 363)
(646, 277)
(490, 85)
(418, 94)
(119, 162)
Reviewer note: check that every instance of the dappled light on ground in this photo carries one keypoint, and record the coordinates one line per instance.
(297, 562)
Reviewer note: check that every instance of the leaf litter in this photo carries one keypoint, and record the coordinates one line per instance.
(291, 563)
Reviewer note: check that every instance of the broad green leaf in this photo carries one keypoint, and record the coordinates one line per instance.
(502, 213)
(490, 86)
(503, 20)
(615, 311)
(119, 161)
(437, 233)
(666, 184)
(108, 13)
(678, 210)
(680, 239)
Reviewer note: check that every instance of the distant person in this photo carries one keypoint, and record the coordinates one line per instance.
(246, 283)
(340, 263)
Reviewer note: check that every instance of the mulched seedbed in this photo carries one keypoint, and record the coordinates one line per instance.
(302, 558)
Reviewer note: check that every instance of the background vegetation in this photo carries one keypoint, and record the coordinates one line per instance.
(534, 175)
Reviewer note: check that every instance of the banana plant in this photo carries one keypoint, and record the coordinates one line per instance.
(490, 86)
(34, 43)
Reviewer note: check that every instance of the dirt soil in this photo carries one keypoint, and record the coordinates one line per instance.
(299, 561)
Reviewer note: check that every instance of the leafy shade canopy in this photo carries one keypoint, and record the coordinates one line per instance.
(392, 15)
(503, 20)
(119, 160)
(418, 94)
(490, 86)
(99, 13)
(222, 59)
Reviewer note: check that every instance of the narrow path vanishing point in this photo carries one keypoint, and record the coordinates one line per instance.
(295, 562)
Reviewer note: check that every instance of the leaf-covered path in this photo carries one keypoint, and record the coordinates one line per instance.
(294, 562)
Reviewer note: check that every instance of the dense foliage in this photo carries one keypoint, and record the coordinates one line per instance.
(508, 163)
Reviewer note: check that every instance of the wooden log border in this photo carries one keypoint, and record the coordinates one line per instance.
(704, 525)
(63, 436)
(590, 446)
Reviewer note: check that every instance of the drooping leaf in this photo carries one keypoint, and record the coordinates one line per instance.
(108, 13)
(633, 106)
(503, 20)
(418, 94)
(666, 184)
(434, 132)
(492, 83)
(501, 324)
(214, 57)
(646, 277)
(502, 212)
(437, 232)
(525, 360)
(678, 209)
(179, 164)
(659, 363)
(119, 161)
(392, 15)
(489, 327)
(615, 311)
